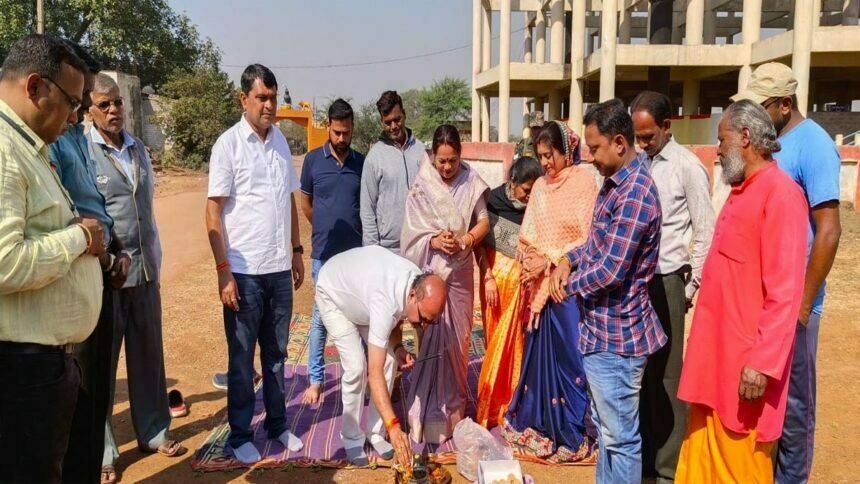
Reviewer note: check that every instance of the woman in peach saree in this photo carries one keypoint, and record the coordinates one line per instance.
(548, 416)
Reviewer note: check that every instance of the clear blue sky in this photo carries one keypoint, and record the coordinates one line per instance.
(313, 32)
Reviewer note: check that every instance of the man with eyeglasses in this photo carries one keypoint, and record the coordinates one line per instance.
(50, 280)
(810, 157)
(72, 162)
(124, 176)
(365, 294)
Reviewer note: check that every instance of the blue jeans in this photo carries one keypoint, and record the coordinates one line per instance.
(316, 358)
(614, 382)
(794, 455)
(265, 310)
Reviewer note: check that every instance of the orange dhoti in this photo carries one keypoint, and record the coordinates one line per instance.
(713, 454)
(503, 330)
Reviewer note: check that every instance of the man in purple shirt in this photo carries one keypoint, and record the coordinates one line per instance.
(610, 275)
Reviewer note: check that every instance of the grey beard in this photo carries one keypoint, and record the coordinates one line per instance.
(732, 167)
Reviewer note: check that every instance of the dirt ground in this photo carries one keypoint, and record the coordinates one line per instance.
(195, 347)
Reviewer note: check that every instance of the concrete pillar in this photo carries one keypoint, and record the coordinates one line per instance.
(577, 55)
(589, 41)
(476, 68)
(526, 111)
(486, 39)
(608, 40)
(540, 37)
(527, 58)
(505, 71)
(850, 12)
(710, 27)
(554, 105)
(660, 24)
(485, 118)
(677, 34)
(691, 96)
(527, 43)
(750, 34)
(625, 26)
(801, 55)
(695, 21)
(816, 14)
(556, 41)
(539, 103)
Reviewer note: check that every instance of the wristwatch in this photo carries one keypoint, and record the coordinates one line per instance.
(298, 249)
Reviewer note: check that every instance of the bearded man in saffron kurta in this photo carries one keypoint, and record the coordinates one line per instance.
(736, 379)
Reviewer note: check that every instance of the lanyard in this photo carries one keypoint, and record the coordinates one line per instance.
(23, 134)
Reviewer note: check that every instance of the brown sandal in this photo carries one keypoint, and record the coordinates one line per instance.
(108, 475)
(171, 448)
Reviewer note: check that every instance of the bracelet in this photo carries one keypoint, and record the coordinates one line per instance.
(88, 235)
(389, 424)
(220, 267)
(113, 260)
(472, 239)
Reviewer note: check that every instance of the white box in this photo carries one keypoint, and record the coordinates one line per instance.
(493, 470)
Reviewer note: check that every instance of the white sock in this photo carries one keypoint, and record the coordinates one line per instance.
(356, 456)
(382, 447)
(246, 453)
(290, 441)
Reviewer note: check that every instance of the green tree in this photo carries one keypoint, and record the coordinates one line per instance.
(145, 38)
(367, 128)
(199, 106)
(446, 101)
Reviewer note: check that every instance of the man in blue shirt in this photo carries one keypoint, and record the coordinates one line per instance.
(71, 159)
(330, 198)
(810, 157)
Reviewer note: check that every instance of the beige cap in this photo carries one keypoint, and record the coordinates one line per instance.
(536, 119)
(767, 81)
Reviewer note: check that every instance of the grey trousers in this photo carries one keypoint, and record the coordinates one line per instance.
(138, 322)
(663, 418)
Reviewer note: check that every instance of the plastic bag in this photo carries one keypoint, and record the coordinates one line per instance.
(474, 444)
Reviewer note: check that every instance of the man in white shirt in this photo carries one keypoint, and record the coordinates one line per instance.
(365, 294)
(685, 238)
(254, 233)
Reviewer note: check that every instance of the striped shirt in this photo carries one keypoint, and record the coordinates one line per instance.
(50, 291)
(613, 268)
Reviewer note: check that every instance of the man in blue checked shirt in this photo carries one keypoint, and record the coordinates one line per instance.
(610, 275)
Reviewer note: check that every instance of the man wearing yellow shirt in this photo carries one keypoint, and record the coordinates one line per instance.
(50, 279)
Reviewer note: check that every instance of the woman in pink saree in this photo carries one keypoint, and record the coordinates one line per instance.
(446, 216)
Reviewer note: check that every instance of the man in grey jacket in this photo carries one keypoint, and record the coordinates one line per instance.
(389, 170)
(125, 178)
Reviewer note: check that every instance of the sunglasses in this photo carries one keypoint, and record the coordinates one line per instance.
(74, 102)
(771, 102)
(105, 105)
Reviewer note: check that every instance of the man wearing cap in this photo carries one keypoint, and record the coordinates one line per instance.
(526, 146)
(810, 157)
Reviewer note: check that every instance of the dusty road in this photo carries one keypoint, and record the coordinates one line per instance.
(195, 347)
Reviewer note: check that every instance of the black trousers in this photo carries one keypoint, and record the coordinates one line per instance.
(36, 407)
(663, 418)
(83, 461)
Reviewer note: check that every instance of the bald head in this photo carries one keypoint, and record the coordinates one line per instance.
(426, 299)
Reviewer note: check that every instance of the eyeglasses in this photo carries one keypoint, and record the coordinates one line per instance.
(74, 103)
(421, 319)
(105, 105)
(771, 102)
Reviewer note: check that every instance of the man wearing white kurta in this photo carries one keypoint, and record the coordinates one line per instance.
(364, 294)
